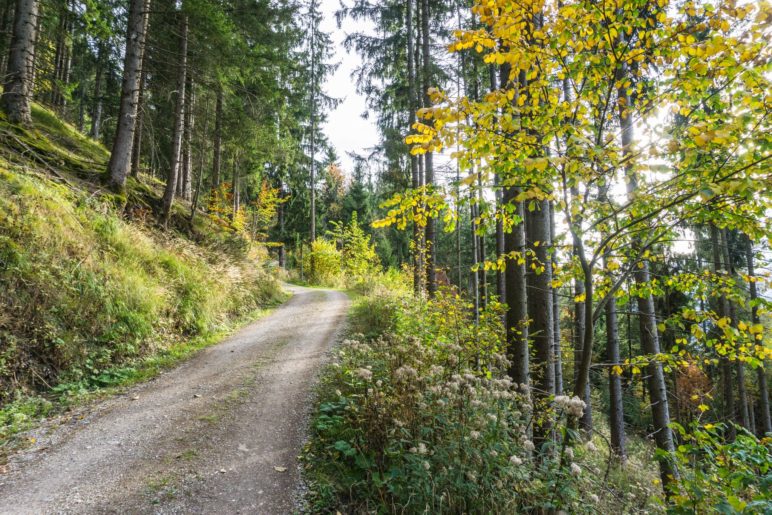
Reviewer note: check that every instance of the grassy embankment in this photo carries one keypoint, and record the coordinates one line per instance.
(92, 295)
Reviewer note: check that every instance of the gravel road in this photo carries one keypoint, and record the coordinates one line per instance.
(219, 434)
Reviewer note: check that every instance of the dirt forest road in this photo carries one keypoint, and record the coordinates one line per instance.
(219, 434)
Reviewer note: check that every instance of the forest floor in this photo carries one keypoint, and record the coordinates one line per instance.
(219, 434)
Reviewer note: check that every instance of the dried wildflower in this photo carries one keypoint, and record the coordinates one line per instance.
(422, 448)
(529, 446)
(570, 453)
(475, 435)
(594, 498)
(591, 447)
(406, 373)
(364, 373)
(515, 460)
(426, 465)
(574, 406)
(575, 470)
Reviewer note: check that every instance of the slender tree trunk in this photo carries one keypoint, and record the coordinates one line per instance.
(475, 256)
(616, 406)
(201, 157)
(742, 395)
(17, 91)
(540, 308)
(647, 317)
(217, 151)
(120, 158)
(6, 30)
(179, 115)
(96, 113)
(413, 106)
(580, 343)
(766, 422)
(136, 149)
(727, 390)
(516, 297)
(431, 223)
(556, 351)
(189, 126)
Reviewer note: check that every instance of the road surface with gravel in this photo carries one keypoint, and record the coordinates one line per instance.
(219, 434)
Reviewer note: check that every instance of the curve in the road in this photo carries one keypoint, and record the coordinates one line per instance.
(219, 434)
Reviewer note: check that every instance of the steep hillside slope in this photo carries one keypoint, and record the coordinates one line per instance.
(87, 293)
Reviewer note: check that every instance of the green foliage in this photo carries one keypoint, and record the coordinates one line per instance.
(348, 258)
(720, 476)
(87, 297)
(423, 419)
(323, 263)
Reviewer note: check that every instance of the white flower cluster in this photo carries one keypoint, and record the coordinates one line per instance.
(574, 406)
(364, 373)
(406, 373)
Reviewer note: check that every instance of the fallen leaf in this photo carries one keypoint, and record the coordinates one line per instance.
(280, 469)
(222, 471)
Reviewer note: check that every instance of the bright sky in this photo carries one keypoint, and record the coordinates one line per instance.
(345, 128)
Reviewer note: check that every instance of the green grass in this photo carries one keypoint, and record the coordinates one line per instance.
(91, 301)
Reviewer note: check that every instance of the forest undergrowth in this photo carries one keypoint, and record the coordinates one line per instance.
(92, 294)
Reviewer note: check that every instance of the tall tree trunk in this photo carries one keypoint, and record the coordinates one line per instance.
(17, 91)
(431, 223)
(217, 148)
(580, 337)
(616, 406)
(540, 307)
(188, 154)
(766, 422)
(314, 78)
(516, 296)
(742, 394)
(120, 159)
(6, 30)
(179, 115)
(413, 107)
(96, 113)
(556, 351)
(475, 256)
(647, 316)
(136, 149)
(727, 389)
(499, 194)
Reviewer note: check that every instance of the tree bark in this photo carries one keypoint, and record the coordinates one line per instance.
(540, 309)
(556, 351)
(742, 395)
(179, 114)
(413, 107)
(647, 316)
(187, 183)
(17, 91)
(516, 296)
(616, 406)
(120, 159)
(766, 422)
(96, 113)
(217, 150)
(6, 30)
(136, 149)
(431, 223)
(727, 391)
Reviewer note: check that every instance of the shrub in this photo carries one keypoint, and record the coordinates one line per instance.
(424, 420)
(719, 476)
(322, 264)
